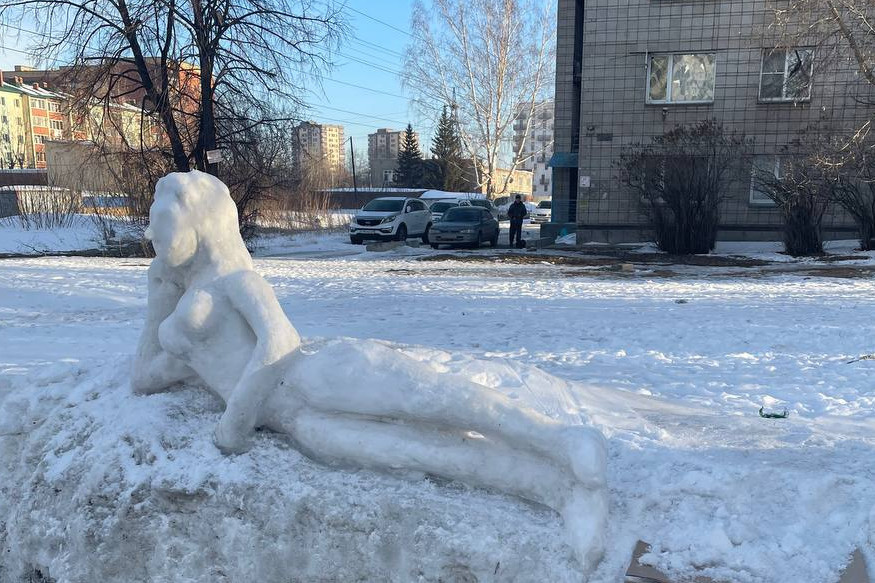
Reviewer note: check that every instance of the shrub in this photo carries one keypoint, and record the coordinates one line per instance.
(681, 177)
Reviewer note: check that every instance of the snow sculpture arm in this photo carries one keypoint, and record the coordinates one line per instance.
(154, 369)
(276, 338)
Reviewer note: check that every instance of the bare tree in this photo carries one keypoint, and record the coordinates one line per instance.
(184, 58)
(840, 29)
(681, 178)
(491, 60)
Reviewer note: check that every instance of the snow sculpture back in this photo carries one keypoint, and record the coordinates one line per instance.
(211, 319)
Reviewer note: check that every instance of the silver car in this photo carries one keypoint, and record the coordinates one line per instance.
(465, 225)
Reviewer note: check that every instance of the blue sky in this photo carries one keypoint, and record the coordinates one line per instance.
(371, 57)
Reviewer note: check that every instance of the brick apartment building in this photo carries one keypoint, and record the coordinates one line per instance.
(383, 148)
(320, 146)
(633, 70)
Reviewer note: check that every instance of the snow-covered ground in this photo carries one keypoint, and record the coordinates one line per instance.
(83, 233)
(672, 367)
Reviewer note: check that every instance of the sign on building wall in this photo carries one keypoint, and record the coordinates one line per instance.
(584, 181)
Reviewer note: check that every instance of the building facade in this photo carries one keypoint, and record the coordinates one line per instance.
(537, 146)
(31, 115)
(383, 148)
(519, 182)
(14, 150)
(320, 146)
(46, 118)
(627, 72)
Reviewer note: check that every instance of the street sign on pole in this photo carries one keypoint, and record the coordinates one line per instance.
(216, 156)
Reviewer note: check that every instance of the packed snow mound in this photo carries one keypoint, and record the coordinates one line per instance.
(103, 485)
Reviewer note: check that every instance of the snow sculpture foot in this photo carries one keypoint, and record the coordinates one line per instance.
(585, 517)
(213, 320)
(229, 437)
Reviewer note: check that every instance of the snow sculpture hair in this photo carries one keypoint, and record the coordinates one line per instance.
(212, 319)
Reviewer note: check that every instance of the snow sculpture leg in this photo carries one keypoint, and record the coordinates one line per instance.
(474, 461)
(375, 380)
(212, 318)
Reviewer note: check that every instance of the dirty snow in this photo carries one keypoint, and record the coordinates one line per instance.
(672, 369)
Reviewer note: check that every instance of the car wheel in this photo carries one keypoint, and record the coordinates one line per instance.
(493, 242)
(355, 240)
(401, 233)
(477, 242)
(425, 234)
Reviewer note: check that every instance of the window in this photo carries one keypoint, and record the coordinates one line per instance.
(40, 121)
(680, 78)
(40, 156)
(763, 166)
(786, 75)
(388, 176)
(39, 103)
(37, 139)
(2, 101)
(57, 124)
(54, 106)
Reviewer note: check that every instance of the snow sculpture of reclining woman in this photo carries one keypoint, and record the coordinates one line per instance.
(211, 318)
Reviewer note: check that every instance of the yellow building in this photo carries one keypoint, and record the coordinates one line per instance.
(520, 182)
(14, 123)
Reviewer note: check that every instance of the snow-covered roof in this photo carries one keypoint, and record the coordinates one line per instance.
(372, 190)
(445, 194)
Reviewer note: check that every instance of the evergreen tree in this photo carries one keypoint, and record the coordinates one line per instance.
(446, 147)
(409, 173)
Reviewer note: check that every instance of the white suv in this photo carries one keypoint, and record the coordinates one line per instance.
(391, 218)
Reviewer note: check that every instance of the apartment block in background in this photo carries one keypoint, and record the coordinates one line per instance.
(383, 148)
(46, 118)
(537, 146)
(627, 72)
(319, 146)
(14, 149)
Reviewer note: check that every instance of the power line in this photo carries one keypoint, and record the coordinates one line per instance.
(358, 113)
(363, 42)
(384, 23)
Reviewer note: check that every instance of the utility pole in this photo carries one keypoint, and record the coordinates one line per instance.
(355, 187)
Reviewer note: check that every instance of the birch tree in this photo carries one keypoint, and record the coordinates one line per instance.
(492, 61)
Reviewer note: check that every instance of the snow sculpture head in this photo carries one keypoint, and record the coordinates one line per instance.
(193, 213)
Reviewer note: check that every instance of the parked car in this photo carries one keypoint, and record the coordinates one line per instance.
(502, 203)
(502, 210)
(542, 212)
(465, 225)
(439, 207)
(391, 218)
(484, 203)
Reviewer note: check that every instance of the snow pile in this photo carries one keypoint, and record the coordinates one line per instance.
(15, 239)
(103, 485)
(569, 239)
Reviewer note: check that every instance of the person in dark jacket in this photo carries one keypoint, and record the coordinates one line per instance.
(516, 213)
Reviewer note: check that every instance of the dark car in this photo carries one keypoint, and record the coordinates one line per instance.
(465, 225)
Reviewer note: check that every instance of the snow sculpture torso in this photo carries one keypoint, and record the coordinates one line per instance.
(212, 318)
